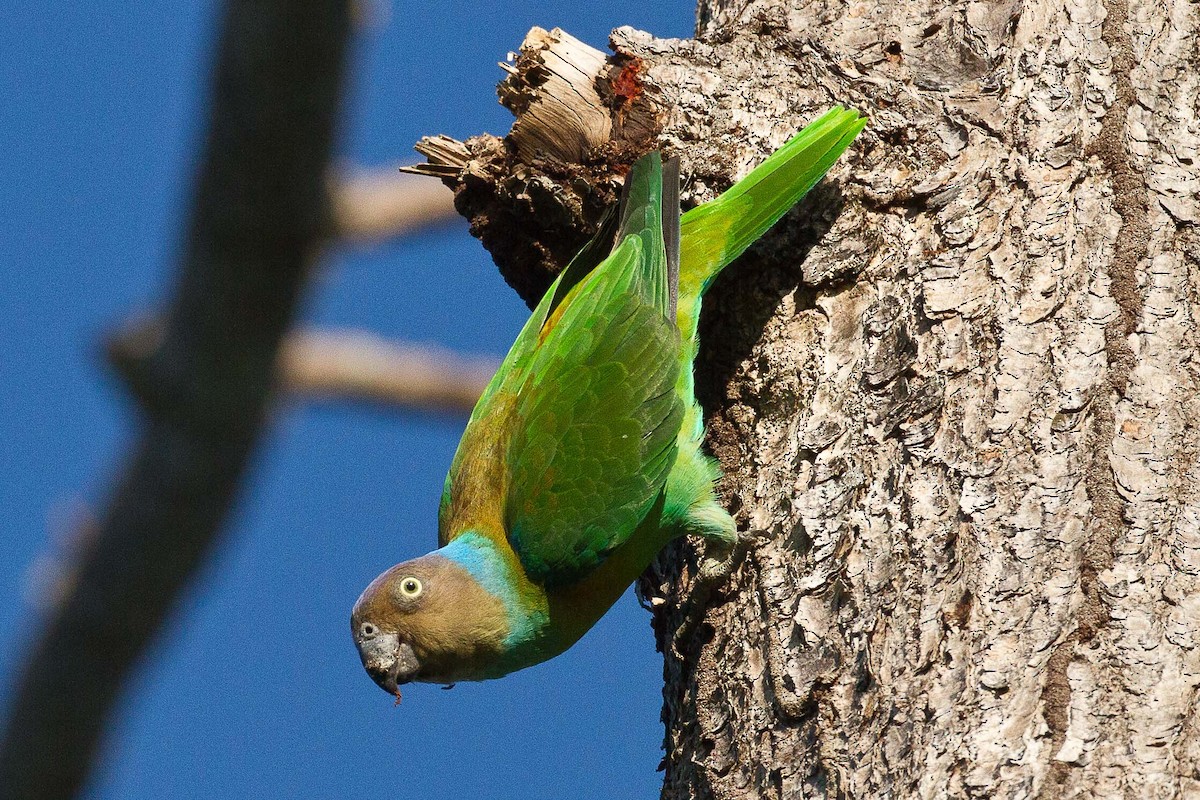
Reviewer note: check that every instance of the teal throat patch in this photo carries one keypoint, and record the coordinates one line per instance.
(477, 554)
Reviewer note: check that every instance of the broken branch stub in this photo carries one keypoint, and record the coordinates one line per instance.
(552, 92)
(534, 197)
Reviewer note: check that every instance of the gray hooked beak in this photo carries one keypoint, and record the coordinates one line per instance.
(389, 661)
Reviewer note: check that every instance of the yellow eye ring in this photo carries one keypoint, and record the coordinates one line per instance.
(410, 587)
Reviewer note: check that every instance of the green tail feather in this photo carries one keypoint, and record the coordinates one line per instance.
(713, 235)
(716, 233)
(642, 209)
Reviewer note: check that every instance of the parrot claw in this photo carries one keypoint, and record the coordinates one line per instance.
(720, 558)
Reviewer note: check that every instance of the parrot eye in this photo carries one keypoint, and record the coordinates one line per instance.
(410, 588)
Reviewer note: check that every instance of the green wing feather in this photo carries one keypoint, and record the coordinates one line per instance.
(571, 442)
(473, 492)
(596, 418)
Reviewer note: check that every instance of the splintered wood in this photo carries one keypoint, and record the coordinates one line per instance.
(445, 157)
(552, 91)
(535, 196)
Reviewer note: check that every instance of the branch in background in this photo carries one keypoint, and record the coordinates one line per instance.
(342, 364)
(363, 366)
(369, 205)
(259, 213)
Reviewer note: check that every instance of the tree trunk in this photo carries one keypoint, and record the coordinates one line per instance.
(953, 394)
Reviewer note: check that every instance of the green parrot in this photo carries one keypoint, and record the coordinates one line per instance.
(583, 457)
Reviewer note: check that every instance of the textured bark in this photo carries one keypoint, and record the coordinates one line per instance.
(954, 396)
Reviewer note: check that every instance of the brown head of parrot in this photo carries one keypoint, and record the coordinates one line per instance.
(426, 620)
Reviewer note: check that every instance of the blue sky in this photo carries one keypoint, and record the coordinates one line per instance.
(254, 688)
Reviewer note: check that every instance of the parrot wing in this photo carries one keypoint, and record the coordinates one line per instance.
(596, 417)
(594, 252)
(473, 493)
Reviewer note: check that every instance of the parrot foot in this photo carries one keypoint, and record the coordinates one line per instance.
(720, 558)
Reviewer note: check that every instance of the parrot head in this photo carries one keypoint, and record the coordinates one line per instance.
(428, 620)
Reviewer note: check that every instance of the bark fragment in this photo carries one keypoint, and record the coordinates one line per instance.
(535, 197)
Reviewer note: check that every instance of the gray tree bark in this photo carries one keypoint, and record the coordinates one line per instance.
(954, 394)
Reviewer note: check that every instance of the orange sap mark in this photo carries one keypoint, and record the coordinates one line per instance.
(628, 83)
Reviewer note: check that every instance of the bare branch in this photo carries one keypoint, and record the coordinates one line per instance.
(336, 364)
(259, 213)
(363, 366)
